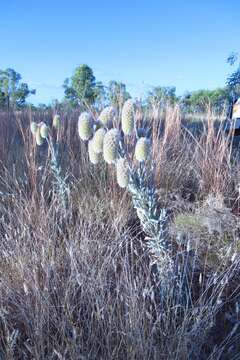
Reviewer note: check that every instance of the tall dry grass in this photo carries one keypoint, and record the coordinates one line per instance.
(80, 286)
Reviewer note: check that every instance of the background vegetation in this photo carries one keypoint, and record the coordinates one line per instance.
(82, 90)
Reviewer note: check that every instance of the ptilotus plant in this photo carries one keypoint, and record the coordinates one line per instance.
(128, 117)
(135, 174)
(42, 132)
(107, 116)
(97, 140)
(94, 157)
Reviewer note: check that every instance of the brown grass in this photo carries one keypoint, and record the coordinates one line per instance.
(79, 286)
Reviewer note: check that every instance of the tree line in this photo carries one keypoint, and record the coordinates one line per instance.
(82, 90)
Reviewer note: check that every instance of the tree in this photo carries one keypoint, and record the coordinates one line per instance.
(80, 88)
(2, 99)
(233, 81)
(201, 100)
(13, 92)
(70, 97)
(100, 95)
(162, 95)
(117, 93)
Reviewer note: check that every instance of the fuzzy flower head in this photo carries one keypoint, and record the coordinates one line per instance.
(33, 127)
(122, 173)
(44, 131)
(85, 126)
(39, 139)
(56, 121)
(142, 149)
(111, 145)
(128, 117)
(107, 116)
(97, 141)
(94, 157)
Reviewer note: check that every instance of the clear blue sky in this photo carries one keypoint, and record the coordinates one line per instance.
(141, 43)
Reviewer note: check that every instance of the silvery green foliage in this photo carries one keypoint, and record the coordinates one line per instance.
(172, 272)
(153, 218)
(146, 204)
(59, 183)
(42, 132)
(154, 221)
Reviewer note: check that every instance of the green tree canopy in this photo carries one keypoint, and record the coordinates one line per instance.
(161, 95)
(100, 95)
(80, 89)
(117, 93)
(233, 81)
(13, 92)
(201, 100)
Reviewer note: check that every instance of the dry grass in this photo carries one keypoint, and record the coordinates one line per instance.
(79, 286)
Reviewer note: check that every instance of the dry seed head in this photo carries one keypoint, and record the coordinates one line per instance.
(107, 115)
(110, 146)
(33, 127)
(122, 172)
(142, 149)
(128, 117)
(56, 121)
(97, 142)
(39, 139)
(93, 156)
(85, 126)
(44, 131)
